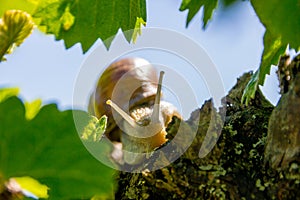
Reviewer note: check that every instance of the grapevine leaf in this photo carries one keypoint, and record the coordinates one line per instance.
(48, 149)
(274, 47)
(84, 21)
(193, 7)
(52, 15)
(282, 22)
(281, 18)
(15, 27)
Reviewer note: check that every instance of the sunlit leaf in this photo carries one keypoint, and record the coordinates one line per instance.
(281, 19)
(32, 108)
(28, 186)
(274, 47)
(194, 6)
(24, 5)
(282, 22)
(85, 21)
(15, 27)
(138, 28)
(95, 128)
(67, 19)
(5, 93)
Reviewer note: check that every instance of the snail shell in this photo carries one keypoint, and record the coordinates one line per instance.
(136, 80)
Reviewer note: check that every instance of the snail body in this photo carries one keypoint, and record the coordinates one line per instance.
(132, 85)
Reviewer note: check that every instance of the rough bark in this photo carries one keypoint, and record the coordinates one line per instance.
(236, 168)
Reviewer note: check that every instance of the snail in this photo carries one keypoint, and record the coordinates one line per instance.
(132, 85)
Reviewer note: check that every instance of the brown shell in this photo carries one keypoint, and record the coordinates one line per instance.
(126, 73)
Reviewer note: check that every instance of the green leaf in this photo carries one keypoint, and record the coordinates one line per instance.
(52, 15)
(282, 22)
(5, 93)
(281, 19)
(95, 128)
(193, 7)
(29, 187)
(48, 149)
(250, 90)
(15, 27)
(274, 47)
(84, 21)
(24, 5)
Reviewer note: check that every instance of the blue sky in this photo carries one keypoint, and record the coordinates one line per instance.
(43, 68)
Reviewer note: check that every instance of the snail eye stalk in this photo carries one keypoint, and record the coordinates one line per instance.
(156, 115)
(122, 113)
